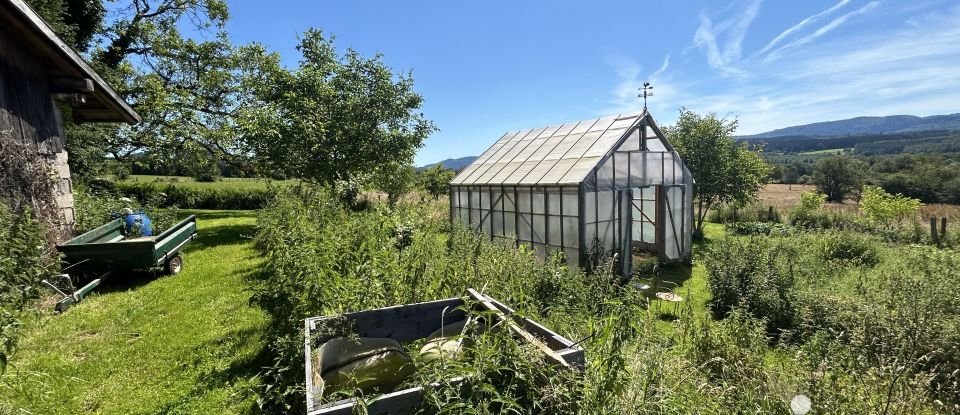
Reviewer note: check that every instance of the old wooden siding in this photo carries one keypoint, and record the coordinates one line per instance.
(28, 113)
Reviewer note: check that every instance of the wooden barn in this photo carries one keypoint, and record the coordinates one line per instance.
(38, 70)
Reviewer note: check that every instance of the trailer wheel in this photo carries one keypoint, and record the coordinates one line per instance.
(173, 265)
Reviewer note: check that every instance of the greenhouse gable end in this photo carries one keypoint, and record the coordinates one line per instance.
(607, 187)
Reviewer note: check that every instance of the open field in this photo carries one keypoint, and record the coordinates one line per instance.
(785, 196)
(188, 343)
(829, 151)
(223, 183)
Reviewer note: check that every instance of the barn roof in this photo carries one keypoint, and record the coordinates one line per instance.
(61, 62)
(559, 154)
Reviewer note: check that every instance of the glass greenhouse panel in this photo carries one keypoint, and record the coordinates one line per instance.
(570, 202)
(654, 144)
(581, 186)
(536, 174)
(579, 170)
(497, 219)
(509, 203)
(582, 145)
(538, 201)
(523, 200)
(571, 232)
(553, 200)
(539, 229)
(558, 171)
(554, 229)
(603, 143)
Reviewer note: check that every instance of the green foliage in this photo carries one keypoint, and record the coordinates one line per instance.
(885, 208)
(96, 207)
(184, 197)
(754, 212)
(188, 89)
(394, 179)
(749, 274)
(24, 261)
(886, 333)
(74, 21)
(322, 259)
(847, 246)
(726, 171)
(807, 212)
(435, 180)
(757, 228)
(810, 202)
(335, 117)
(838, 177)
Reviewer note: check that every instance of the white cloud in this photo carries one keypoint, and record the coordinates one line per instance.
(803, 23)
(733, 30)
(835, 23)
(908, 68)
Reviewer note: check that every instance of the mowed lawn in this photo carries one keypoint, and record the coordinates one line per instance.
(189, 343)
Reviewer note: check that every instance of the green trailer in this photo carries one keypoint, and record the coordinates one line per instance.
(105, 251)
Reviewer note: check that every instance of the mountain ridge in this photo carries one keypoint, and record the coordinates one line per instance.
(456, 164)
(865, 125)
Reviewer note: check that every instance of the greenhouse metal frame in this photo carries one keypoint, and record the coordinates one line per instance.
(606, 187)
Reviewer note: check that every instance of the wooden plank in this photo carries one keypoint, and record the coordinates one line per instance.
(517, 330)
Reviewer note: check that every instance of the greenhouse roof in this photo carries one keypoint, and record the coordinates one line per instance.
(559, 154)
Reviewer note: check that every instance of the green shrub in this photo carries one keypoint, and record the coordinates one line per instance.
(25, 259)
(750, 213)
(757, 228)
(753, 274)
(884, 208)
(847, 246)
(225, 198)
(94, 208)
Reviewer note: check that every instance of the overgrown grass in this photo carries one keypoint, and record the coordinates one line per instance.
(145, 344)
(811, 317)
(644, 356)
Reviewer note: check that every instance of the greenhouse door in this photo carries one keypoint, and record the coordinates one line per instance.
(644, 219)
(624, 225)
(674, 222)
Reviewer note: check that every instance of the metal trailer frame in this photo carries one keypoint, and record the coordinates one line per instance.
(104, 251)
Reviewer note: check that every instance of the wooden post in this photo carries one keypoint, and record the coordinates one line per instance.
(943, 228)
(770, 214)
(933, 231)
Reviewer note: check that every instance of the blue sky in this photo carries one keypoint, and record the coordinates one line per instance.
(486, 67)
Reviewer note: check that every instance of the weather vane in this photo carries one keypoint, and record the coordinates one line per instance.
(647, 92)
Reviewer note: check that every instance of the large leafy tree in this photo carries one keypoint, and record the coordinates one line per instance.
(395, 179)
(189, 90)
(725, 171)
(436, 180)
(336, 117)
(838, 176)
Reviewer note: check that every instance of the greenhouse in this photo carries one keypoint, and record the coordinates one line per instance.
(607, 187)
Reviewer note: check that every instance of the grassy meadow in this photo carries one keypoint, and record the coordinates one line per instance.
(764, 317)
